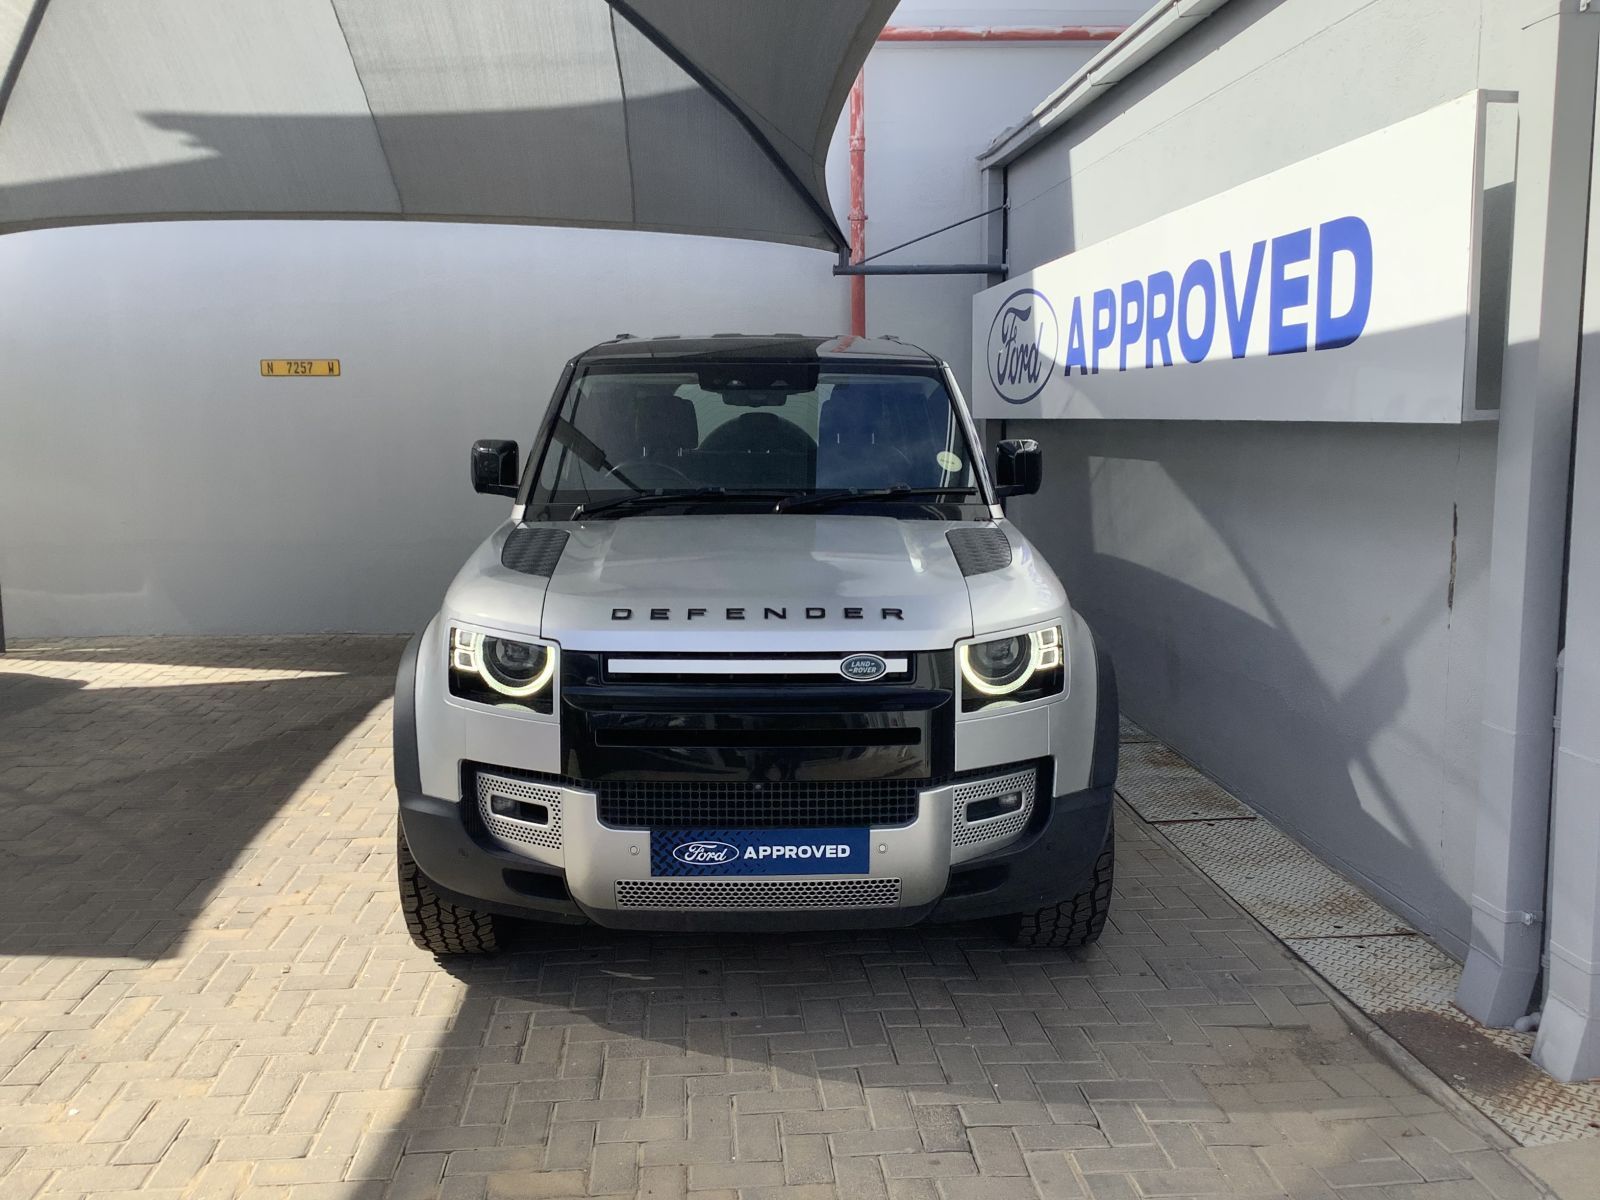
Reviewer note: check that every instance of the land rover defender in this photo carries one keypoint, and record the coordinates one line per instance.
(755, 649)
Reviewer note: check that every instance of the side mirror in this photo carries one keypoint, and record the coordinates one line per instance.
(1019, 467)
(494, 467)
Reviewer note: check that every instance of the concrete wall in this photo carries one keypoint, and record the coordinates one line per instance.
(1297, 608)
(151, 481)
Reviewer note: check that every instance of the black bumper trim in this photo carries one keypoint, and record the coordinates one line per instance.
(407, 766)
(1107, 732)
(1052, 863)
(466, 871)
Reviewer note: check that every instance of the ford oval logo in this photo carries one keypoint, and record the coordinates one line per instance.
(705, 854)
(863, 667)
(1022, 346)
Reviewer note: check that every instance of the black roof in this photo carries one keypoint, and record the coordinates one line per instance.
(767, 347)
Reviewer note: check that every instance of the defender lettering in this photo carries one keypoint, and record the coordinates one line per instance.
(812, 613)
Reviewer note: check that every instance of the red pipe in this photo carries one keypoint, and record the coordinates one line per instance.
(858, 124)
(1001, 33)
(858, 202)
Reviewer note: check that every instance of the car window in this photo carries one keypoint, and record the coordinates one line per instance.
(624, 430)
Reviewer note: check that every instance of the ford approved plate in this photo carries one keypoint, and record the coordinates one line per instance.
(689, 852)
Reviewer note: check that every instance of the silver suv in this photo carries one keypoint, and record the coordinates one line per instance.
(756, 648)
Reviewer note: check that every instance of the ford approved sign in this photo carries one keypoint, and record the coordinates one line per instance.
(1336, 289)
(688, 852)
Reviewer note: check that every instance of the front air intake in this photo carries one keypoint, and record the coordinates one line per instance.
(520, 812)
(988, 812)
(745, 894)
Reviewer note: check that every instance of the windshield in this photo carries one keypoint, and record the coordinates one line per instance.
(753, 430)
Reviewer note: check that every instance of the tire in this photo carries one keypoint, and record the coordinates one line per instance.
(1076, 921)
(435, 924)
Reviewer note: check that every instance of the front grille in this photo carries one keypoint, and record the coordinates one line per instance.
(774, 669)
(757, 893)
(678, 804)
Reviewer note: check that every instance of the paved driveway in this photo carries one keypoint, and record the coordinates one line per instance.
(205, 990)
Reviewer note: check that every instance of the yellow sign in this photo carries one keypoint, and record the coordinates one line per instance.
(285, 367)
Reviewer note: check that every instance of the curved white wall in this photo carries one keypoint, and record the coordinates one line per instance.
(152, 481)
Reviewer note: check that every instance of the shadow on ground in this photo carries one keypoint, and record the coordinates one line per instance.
(130, 789)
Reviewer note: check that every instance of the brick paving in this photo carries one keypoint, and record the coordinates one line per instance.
(206, 991)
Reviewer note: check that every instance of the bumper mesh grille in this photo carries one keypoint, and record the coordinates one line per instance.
(979, 833)
(651, 804)
(757, 893)
(508, 829)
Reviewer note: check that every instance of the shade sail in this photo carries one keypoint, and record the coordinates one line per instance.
(689, 116)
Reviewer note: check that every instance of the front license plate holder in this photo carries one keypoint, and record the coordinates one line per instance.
(689, 853)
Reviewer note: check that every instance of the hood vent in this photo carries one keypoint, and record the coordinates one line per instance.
(533, 549)
(979, 551)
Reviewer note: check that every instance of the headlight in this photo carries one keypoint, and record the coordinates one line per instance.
(1012, 670)
(497, 670)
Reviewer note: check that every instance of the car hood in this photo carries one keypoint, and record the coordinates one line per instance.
(798, 582)
(757, 582)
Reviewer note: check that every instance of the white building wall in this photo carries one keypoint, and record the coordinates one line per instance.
(1297, 608)
(151, 481)
(931, 109)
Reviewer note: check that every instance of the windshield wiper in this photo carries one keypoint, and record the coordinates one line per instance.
(646, 499)
(899, 491)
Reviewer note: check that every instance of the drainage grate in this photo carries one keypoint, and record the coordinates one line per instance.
(1283, 885)
(1400, 979)
(757, 893)
(1128, 732)
(1408, 986)
(1161, 786)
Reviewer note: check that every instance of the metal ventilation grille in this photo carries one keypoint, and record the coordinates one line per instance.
(844, 803)
(522, 833)
(757, 893)
(979, 551)
(966, 833)
(533, 550)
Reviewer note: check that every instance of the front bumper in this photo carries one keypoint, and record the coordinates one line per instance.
(605, 868)
(598, 871)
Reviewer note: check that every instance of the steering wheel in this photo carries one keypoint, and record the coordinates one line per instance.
(647, 474)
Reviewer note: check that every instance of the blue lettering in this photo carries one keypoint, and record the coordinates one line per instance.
(1286, 292)
(1343, 235)
(1240, 310)
(1201, 277)
(1132, 320)
(1105, 304)
(1158, 325)
(1075, 354)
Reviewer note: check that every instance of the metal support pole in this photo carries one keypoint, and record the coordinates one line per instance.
(1532, 473)
(992, 186)
(860, 269)
(1568, 1045)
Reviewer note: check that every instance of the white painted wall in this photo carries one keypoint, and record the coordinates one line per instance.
(151, 481)
(931, 108)
(1298, 608)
